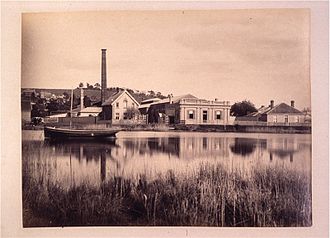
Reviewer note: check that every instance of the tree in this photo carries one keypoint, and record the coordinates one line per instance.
(97, 85)
(242, 108)
(89, 86)
(53, 106)
(132, 112)
(66, 96)
(87, 101)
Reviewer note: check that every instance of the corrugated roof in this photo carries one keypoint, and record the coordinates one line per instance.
(150, 100)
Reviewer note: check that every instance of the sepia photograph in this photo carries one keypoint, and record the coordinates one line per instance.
(167, 118)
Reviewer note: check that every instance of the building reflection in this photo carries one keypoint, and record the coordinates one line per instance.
(175, 147)
(246, 146)
(283, 148)
(75, 162)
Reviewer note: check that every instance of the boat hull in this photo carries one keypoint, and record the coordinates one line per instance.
(62, 133)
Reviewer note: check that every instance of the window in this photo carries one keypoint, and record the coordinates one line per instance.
(125, 103)
(191, 114)
(286, 119)
(274, 118)
(117, 116)
(204, 116)
(297, 118)
(125, 116)
(117, 104)
(133, 105)
(218, 115)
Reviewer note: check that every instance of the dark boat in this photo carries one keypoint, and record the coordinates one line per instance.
(66, 133)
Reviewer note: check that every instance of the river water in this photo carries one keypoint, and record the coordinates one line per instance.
(132, 154)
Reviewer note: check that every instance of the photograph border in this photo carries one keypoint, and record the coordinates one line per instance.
(11, 192)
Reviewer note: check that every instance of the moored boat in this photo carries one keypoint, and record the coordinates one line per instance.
(66, 133)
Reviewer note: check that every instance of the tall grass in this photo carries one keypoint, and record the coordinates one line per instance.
(211, 196)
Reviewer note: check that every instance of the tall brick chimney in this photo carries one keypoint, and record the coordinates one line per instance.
(103, 75)
(271, 103)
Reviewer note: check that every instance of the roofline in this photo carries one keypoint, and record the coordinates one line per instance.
(282, 113)
(128, 95)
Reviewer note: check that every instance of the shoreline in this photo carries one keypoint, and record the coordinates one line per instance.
(206, 128)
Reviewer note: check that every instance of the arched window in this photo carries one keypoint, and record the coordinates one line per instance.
(125, 103)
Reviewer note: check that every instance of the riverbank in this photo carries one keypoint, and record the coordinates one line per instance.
(246, 129)
(201, 128)
(211, 196)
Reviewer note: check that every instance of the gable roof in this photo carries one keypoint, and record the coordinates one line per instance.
(283, 108)
(116, 95)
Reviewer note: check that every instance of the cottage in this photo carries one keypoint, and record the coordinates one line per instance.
(119, 107)
(188, 109)
(281, 114)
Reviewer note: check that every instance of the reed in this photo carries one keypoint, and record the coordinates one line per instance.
(210, 196)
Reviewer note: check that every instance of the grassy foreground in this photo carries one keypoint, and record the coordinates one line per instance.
(211, 196)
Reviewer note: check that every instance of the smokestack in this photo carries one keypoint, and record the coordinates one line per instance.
(271, 103)
(103, 75)
(170, 96)
(292, 103)
(81, 99)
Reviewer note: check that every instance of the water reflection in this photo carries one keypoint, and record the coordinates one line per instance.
(76, 162)
(245, 146)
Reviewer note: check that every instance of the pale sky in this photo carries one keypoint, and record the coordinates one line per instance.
(231, 55)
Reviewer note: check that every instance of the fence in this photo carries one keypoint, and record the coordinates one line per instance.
(262, 123)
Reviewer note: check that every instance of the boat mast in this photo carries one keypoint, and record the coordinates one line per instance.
(71, 107)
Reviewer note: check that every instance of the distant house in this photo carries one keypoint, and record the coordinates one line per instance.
(281, 114)
(188, 109)
(117, 106)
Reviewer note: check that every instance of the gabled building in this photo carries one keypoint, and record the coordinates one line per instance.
(118, 106)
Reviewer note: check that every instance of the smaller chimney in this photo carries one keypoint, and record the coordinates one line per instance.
(170, 98)
(271, 103)
(292, 103)
(215, 99)
(81, 99)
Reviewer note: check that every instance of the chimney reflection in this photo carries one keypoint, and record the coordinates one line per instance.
(103, 166)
